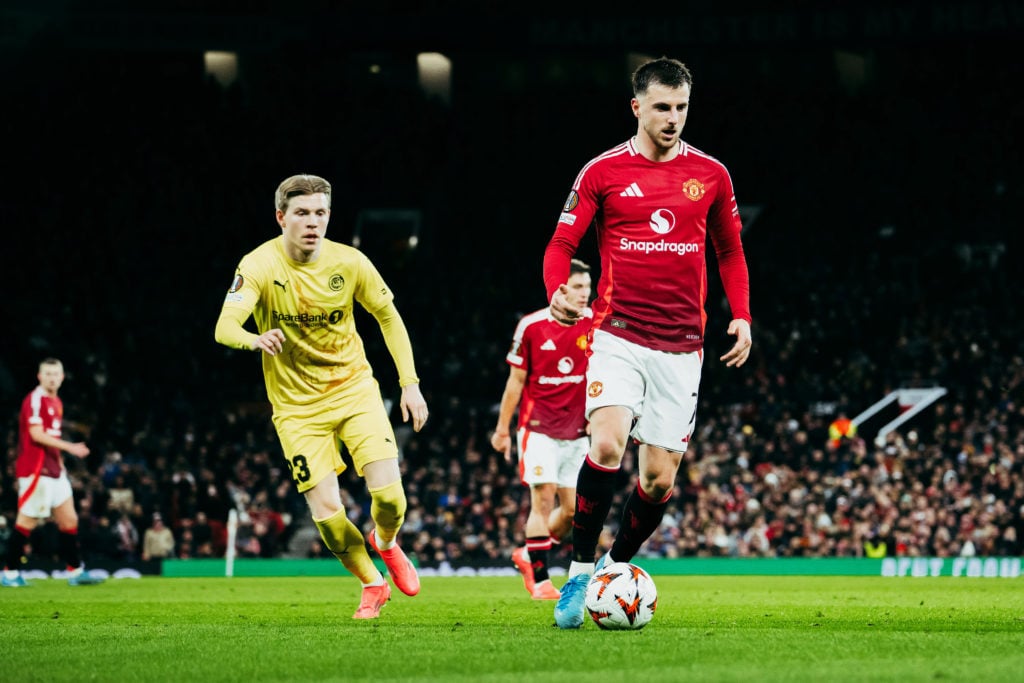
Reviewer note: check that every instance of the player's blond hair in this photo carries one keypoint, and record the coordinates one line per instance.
(297, 185)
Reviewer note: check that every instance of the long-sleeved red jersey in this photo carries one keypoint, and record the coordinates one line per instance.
(652, 221)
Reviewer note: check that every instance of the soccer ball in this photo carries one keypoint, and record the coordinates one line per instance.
(621, 596)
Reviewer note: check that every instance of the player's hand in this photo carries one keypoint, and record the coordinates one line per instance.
(503, 444)
(79, 450)
(740, 351)
(414, 406)
(270, 342)
(562, 309)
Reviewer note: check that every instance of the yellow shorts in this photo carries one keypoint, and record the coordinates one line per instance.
(310, 436)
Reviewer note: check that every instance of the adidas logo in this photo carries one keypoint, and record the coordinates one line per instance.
(632, 191)
(548, 346)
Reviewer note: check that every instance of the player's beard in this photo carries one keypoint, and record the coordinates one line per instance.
(656, 135)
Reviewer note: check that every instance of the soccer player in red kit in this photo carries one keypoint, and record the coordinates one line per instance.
(653, 200)
(43, 485)
(547, 370)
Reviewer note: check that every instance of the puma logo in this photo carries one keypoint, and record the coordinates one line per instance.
(281, 284)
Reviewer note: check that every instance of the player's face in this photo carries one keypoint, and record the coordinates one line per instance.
(579, 289)
(304, 224)
(51, 377)
(662, 114)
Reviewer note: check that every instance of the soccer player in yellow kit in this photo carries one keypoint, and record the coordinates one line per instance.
(300, 288)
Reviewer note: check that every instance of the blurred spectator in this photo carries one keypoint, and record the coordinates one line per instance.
(157, 541)
(5, 533)
(247, 539)
(127, 538)
(121, 498)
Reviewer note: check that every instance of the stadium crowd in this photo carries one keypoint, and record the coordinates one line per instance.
(915, 293)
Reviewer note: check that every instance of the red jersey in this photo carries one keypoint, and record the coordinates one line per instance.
(652, 221)
(554, 357)
(39, 408)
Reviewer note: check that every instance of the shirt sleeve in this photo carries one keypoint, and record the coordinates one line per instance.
(237, 307)
(230, 330)
(396, 337)
(724, 226)
(577, 213)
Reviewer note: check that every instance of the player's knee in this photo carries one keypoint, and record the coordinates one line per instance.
(543, 497)
(656, 487)
(607, 448)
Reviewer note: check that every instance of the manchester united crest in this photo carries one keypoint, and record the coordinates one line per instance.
(595, 389)
(693, 189)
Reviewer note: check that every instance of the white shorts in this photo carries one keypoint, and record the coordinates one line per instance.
(49, 493)
(659, 387)
(544, 460)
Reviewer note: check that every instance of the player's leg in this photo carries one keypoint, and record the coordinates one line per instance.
(33, 506)
(597, 481)
(646, 504)
(23, 526)
(560, 519)
(66, 518)
(539, 457)
(571, 456)
(615, 393)
(664, 430)
(387, 509)
(538, 540)
(67, 535)
(346, 542)
(595, 487)
(311, 452)
(370, 439)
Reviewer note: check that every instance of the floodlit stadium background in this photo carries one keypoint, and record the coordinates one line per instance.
(875, 155)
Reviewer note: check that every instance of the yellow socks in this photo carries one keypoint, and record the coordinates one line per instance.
(348, 545)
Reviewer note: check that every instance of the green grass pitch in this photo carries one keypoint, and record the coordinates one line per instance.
(719, 628)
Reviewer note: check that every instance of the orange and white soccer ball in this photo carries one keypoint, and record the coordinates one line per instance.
(621, 596)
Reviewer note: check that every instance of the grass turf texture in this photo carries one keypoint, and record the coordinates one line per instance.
(487, 629)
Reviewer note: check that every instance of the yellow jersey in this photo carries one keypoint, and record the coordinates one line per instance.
(312, 303)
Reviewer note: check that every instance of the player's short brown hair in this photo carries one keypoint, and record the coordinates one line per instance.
(301, 184)
(666, 71)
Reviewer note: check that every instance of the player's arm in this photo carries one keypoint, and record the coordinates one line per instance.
(724, 227)
(501, 440)
(579, 210)
(396, 337)
(235, 311)
(40, 436)
(230, 331)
